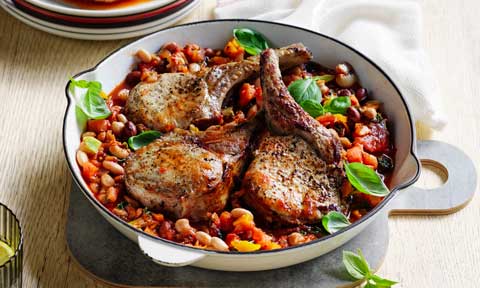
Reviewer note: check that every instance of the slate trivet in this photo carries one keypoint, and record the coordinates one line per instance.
(104, 252)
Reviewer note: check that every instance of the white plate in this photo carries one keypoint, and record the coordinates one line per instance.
(66, 8)
(98, 34)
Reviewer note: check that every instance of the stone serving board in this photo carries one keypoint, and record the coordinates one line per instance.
(110, 257)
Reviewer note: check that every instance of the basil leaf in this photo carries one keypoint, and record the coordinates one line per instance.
(370, 285)
(312, 107)
(305, 89)
(334, 221)
(92, 144)
(382, 282)
(365, 179)
(338, 105)
(253, 42)
(143, 139)
(355, 265)
(91, 104)
(326, 77)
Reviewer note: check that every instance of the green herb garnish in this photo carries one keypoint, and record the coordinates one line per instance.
(338, 105)
(312, 107)
(122, 205)
(334, 221)
(357, 267)
(253, 42)
(308, 95)
(143, 139)
(91, 104)
(305, 89)
(365, 179)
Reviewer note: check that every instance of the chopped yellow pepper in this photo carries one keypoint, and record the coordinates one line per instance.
(245, 246)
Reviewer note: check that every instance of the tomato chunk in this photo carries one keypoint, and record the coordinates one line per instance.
(247, 93)
(376, 140)
(98, 126)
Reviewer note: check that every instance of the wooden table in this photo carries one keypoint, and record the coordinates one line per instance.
(439, 251)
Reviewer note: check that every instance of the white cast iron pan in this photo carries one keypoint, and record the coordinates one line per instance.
(327, 51)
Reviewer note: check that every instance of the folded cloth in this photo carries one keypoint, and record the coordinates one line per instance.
(387, 31)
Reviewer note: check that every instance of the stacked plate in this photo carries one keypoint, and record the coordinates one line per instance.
(93, 20)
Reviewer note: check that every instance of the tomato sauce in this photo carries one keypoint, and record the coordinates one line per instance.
(91, 5)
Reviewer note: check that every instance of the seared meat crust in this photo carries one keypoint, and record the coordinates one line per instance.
(186, 174)
(288, 183)
(176, 100)
(286, 117)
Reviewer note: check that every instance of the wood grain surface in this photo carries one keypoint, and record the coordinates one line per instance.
(425, 251)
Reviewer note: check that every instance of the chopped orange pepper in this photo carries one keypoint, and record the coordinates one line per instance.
(247, 93)
(234, 50)
(244, 223)
(89, 170)
(370, 160)
(158, 216)
(245, 246)
(354, 100)
(354, 154)
(326, 120)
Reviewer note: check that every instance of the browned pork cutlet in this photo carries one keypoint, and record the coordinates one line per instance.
(177, 100)
(295, 176)
(286, 117)
(189, 174)
(288, 183)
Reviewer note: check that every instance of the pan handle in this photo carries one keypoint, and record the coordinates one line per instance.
(166, 254)
(453, 195)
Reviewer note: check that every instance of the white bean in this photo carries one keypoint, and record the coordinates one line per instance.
(113, 167)
(144, 55)
(370, 113)
(118, 152)
(239, 212)
(107, 180)
(203, 238)
(122, 118)
(89, 133)
(117, 127)
(194, 67)
(82, 158)
(183, 226)
(295, 238)
(218, 244)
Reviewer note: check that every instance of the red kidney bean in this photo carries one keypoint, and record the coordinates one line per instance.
(361, 94)
(133, 78)
(344, 92)
(130, 129)
(353, 114)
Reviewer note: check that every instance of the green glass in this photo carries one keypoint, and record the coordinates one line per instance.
(11, 233)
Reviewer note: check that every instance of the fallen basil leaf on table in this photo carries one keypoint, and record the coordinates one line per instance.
(382, 282)
(312, 107)
(143, 139)
(305, 89)
(253, 42)
(357, 267)
(91, 103)
(338, 105)
(365, 179)
(334, 221)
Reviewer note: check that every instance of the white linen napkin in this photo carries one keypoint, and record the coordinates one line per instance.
(387, 31)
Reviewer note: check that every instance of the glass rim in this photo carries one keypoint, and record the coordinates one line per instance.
(20, 243)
